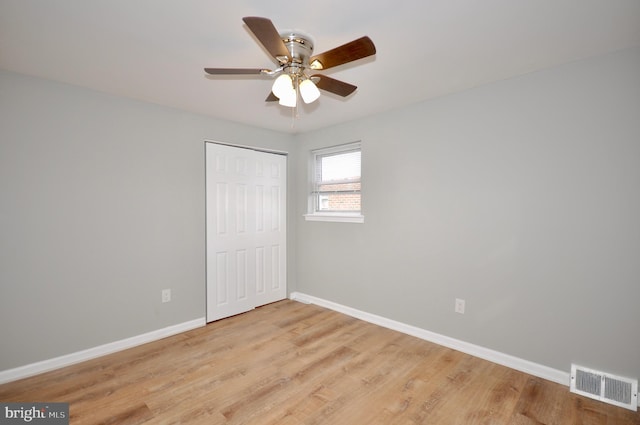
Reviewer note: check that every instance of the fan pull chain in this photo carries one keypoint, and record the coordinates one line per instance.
(294, 110)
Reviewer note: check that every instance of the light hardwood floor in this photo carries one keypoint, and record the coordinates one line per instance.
(290, 363)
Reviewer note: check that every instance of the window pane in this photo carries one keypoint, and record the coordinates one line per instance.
(339, 202)
(343, 166)
(339, 197)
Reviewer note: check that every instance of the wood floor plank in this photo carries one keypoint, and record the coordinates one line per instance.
(289, 363)
(501, 392)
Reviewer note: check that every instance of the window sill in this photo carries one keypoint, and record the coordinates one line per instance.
(335, 217)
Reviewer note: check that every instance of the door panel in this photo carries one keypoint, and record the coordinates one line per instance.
(246, 221)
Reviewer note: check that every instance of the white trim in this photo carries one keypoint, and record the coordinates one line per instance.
(503, 359)
(352, 146)
(91, 353)
(340, 218)
(253, 148)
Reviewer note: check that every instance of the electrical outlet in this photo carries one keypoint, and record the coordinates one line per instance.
(459, 308)
(166, 295)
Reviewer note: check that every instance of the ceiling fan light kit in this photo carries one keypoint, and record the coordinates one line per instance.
(293, 51)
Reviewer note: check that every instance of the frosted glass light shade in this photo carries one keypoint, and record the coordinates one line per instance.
(289, 99)
(282, 86)
(309, 91)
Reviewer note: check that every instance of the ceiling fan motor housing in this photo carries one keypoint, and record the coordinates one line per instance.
(300, 47)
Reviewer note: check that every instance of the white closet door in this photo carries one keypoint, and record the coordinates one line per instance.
(246, 229)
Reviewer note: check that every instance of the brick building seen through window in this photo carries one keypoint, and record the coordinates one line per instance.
(339, 197)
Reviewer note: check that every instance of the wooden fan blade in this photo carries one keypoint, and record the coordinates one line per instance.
(266, 33)
(271, 98)
(234, 71)
(357, 49)
(334, 86)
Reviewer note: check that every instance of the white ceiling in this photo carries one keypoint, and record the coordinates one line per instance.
(155, 50)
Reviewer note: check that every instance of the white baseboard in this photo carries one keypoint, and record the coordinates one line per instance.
(91, 353)
(507, 360)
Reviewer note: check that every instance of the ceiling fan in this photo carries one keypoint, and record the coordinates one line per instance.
(293, 50)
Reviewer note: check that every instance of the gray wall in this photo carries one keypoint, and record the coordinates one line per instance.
(102, 205)
(521, 197)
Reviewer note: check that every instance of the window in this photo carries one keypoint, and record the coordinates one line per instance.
(335, 184)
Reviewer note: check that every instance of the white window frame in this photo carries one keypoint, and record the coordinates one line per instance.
(335, 216)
